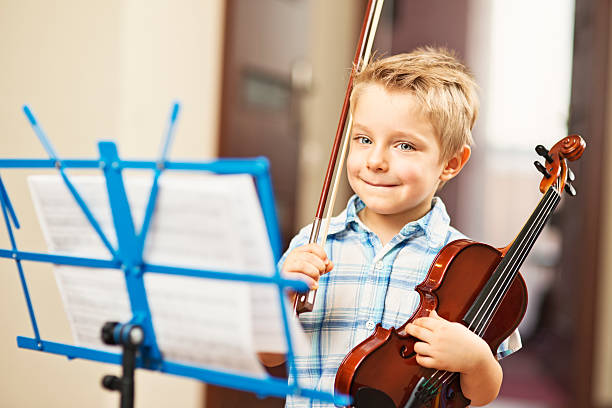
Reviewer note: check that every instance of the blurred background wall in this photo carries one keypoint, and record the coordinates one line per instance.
(94, 70)
(267, 77)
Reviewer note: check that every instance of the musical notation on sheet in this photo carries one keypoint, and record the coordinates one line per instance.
(211, 222)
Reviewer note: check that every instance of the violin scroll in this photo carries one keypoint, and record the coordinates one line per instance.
(571, 147)
(555, 169)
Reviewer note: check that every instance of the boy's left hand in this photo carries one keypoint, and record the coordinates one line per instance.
(447, 345)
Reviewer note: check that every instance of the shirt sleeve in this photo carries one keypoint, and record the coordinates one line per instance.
(510, 345)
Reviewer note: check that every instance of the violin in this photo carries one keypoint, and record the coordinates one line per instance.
(468, 282)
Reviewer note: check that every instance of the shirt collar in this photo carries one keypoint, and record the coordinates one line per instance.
(434, 224)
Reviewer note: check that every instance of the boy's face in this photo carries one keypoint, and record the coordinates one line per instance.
(394, 161)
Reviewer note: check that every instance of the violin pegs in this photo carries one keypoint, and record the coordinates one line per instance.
(541, 169)
(542, 151)
(569, 189)
(570, 175)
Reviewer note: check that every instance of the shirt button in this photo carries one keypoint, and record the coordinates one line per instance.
(379, 265)
(370, 325)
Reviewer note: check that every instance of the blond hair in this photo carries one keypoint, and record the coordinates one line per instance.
(444, 87)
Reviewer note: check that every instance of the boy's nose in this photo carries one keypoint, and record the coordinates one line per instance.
(377, 160)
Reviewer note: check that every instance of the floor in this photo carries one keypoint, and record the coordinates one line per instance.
(526, 384)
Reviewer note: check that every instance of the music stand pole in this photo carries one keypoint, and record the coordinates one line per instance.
(130, 337)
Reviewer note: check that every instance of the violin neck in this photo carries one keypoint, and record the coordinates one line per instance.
(484, 307)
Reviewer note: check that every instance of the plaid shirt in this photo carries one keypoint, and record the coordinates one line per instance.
(369, 284)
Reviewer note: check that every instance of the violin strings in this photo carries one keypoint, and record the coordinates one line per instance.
(506, 279)
(437, 383)
(509, 264)
(550, 202)
(446, 376)
(509, 279)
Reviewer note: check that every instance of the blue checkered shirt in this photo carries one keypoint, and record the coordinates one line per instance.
(369, 284)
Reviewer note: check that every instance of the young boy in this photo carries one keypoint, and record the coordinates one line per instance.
(413, 115)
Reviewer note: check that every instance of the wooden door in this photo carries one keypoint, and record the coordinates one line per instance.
(265, 72)
(266, 47)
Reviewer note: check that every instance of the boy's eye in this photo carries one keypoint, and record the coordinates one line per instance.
(405, 146)
(363, 140)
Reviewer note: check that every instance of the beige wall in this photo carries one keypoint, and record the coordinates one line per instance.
(95, 70)
(110, 70)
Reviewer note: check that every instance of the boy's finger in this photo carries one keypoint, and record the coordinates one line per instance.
(418, 332)
(302, 266)
(315, 261)
(422, 348)
(312, 284)
(435, 314)
(425, 361)
(430, 323)
(315, 249)
(309, 269)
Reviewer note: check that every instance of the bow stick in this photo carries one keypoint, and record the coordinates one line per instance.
(305, 302)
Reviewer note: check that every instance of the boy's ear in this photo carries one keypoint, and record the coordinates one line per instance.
(454, 165)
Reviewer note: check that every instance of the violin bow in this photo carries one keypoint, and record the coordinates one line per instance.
(304, 302)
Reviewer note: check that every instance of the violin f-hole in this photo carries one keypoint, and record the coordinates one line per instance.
(405, 354)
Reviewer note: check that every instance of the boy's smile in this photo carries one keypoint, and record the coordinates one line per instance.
(394, 163)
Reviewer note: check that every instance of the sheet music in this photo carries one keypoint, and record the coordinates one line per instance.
(208, 221)
(64, 226)
(201, 221)
(87, 291)
(266, 336)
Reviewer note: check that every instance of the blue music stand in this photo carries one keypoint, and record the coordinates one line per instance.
(128, 258)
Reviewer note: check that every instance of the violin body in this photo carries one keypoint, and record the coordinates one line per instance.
(384, 366)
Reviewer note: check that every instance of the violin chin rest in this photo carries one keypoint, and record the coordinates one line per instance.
(367, 397)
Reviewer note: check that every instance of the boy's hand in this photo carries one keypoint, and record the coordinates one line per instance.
(308, 263)
(447, 345)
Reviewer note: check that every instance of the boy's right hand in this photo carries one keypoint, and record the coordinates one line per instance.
(307, 263)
